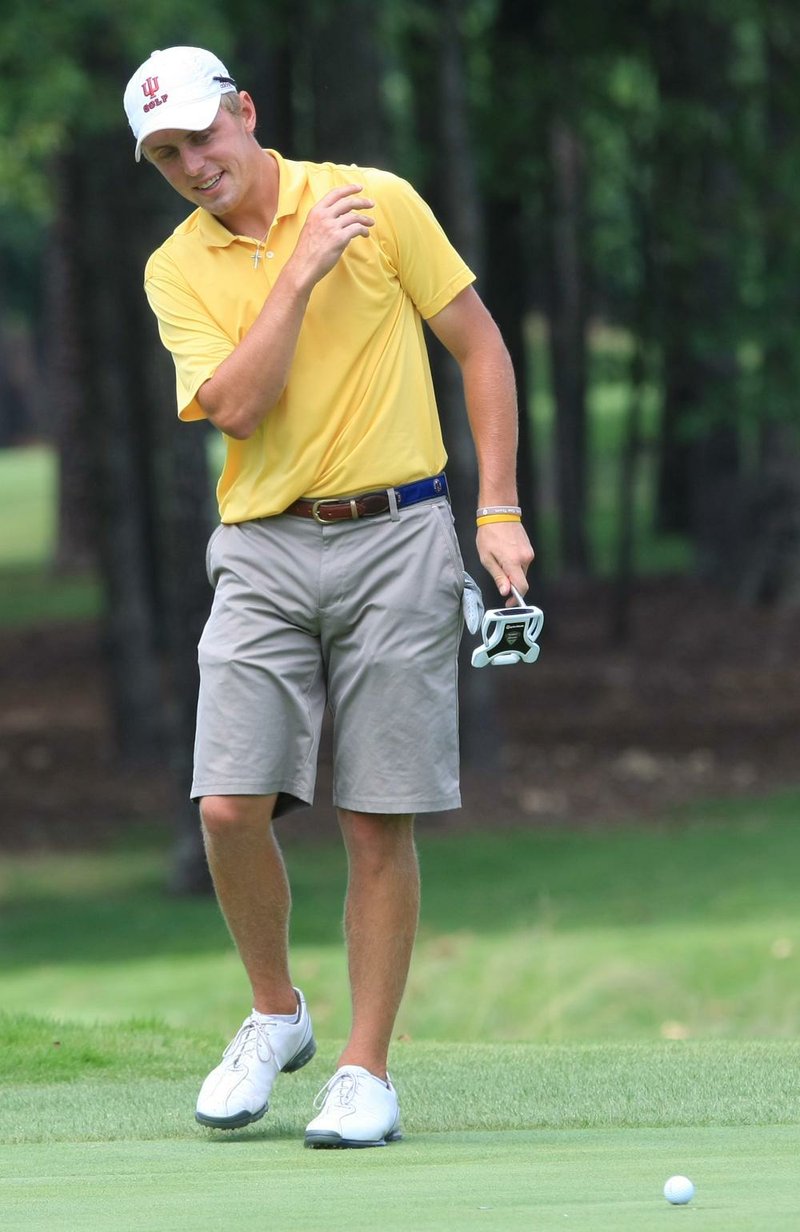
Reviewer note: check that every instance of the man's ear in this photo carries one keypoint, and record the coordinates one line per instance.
(248, 111)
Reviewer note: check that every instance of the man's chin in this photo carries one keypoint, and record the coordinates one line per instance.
(216, 200)
(220, 204)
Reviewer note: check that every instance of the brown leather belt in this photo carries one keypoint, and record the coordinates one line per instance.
(369, 504)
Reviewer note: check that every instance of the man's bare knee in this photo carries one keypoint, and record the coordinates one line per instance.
(376, 841)
(223, 814)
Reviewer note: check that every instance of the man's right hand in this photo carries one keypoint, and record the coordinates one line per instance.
(330, 226)
(250, 381)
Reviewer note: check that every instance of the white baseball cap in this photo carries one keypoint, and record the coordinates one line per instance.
(179, 87)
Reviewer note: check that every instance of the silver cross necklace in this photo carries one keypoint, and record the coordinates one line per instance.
(259, 245)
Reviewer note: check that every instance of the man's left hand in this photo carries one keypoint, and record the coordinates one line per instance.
(506, 553)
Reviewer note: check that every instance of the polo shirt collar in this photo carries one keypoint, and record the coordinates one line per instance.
(292, 179)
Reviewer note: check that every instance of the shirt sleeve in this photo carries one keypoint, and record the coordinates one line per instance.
(197, 343)
(415, 245)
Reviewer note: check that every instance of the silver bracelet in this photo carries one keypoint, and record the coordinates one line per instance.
(490, 509)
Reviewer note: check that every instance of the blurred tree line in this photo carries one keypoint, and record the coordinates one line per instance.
(632, 162)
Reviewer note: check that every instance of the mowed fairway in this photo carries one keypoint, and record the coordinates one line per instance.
(125, 1155)
(598, 1180)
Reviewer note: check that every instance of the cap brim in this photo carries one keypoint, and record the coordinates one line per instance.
(192, 117)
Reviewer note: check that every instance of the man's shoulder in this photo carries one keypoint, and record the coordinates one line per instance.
(396, 197)
(178, 247)
(335, 174)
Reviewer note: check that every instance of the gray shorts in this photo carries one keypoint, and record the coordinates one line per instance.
(364, 616)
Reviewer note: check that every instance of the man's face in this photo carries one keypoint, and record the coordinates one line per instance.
(212, 168)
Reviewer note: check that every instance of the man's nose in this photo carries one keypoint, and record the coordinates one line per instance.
(191, 160)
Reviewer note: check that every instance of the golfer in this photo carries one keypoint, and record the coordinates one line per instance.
(292, 300)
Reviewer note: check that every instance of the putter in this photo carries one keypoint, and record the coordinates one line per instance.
(509, 635)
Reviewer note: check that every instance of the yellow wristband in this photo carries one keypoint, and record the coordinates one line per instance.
(497, 517)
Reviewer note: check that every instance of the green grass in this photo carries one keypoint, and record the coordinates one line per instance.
(30, 591)
(27, 513)
(685, 928)
(538, 1090)
(506, 1136)
(36, 596)
(449, 1086)
(515, 1181)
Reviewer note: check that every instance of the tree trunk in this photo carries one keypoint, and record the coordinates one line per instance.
(347, 66)
(641, 363)
(699, 485)
(437, 62)
(76, 541)
(717, 491)
(567, 325)
(115, 428)
(515, 220)
(507, 298)
(185, 522)
(770, 552)
(267, 68)
(625, 569)
(22, 416)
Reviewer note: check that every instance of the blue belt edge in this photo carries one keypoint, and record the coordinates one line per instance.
(422, 489)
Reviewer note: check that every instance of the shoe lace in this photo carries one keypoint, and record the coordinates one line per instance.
(341, 1090)
(252, 1037)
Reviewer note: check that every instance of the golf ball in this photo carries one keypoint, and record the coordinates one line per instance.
(679, 1190)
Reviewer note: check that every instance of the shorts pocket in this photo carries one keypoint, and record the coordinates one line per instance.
(209, 566)
(444, 519)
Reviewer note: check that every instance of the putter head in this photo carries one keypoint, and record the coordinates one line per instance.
(509, 635)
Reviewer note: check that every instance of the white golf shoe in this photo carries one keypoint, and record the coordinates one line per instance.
(237, 1091)
(356, 1109)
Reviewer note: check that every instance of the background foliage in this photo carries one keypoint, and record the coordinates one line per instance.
(621, 177)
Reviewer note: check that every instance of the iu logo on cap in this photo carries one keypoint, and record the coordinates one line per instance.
(149, 88)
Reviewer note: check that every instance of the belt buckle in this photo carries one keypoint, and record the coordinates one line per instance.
(315, 506)
(332, 500)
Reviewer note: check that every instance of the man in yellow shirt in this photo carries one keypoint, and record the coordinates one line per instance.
(292, 302)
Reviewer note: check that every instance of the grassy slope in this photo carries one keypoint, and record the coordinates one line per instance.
(688, 928)
(138, 1081)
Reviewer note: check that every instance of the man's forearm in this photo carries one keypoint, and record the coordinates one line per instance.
(490, 394)
(248, 384)
(491, 397)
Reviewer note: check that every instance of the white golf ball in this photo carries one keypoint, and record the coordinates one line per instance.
(679, 1190)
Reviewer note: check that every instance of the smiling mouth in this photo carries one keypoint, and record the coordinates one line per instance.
(209, 184)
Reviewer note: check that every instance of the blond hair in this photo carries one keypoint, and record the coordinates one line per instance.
(231, 102)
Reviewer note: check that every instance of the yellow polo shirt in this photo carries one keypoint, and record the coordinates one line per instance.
(358, 411)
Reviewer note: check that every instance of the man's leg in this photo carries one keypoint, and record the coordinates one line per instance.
(381, 914)
(360, 1107)
(253, 892)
